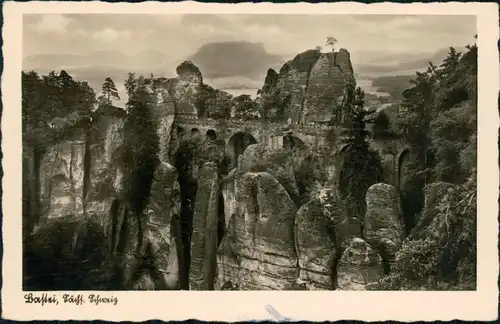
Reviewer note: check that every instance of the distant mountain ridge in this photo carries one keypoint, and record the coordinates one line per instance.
(229, 59)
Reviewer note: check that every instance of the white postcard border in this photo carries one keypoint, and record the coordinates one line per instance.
(233, 306)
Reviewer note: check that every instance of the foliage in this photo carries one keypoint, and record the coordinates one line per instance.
(245, 108)
(438, 118)
(213, 103)
(131, 84)
(441, 256)
(331, 42)
(362, 166)
(138, 154)
(109, 92)
(51, 96)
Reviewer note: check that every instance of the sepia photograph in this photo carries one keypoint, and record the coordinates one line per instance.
(228, 162)
(246, 152)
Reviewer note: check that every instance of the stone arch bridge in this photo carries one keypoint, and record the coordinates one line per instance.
(238, 134)
(317, 138)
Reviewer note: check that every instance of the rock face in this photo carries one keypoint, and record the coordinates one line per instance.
(62, 177)
(359, 266)
(278, 162)
(257, 252)
(383, 227)
(316, 248)
(204, 238)
(178, 95)
(314, 86)
(163, 228)
(335, 210)
(320, 234)
(105, 176)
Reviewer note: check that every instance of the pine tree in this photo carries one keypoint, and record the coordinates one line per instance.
(141, 147)
(109, 92)
(131, 84)
(362, 166)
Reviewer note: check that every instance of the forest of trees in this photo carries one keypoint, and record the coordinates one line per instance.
(52, 100)
(438, 119)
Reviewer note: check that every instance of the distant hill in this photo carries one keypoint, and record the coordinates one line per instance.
(398, 64)
(231, 59)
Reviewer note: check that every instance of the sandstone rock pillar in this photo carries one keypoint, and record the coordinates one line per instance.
(383, 227)
(204, 237)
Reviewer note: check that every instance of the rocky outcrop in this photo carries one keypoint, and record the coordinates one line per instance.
(335, 210)
(320, 234)
(204, 238)
(359, 266)
(278, 162)
(163, 227)
(316, 248)
(257, 252)
(62, 171)
(383, 227)
(104, 173)
(313, 86)
(178, 95)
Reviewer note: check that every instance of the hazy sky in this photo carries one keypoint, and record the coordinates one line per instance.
(179, 36)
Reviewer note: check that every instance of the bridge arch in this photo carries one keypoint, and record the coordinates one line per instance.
(211, 134)
(195, 132)
(237, 144)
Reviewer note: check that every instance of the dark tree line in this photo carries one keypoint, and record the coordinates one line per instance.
(49, 100)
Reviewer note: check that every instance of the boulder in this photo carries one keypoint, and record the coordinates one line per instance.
(277, 162)
(383, 226)
(359, 266)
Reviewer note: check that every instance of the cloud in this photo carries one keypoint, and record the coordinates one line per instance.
(57, 24)
(111, 35)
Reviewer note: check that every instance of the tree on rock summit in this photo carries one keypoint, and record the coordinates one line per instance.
(109, 92)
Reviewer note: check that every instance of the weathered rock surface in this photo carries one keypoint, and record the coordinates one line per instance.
(278, 162)
(62, 177)
(178, 95)
(31, 203)
(315, 245)
(258, 251)
(163, 227)
(314, 86)
(204, 238)
(359, 266)
(335, 210)
(383, 227)
(104, 173)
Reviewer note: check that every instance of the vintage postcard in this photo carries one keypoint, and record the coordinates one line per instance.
(230, 162)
